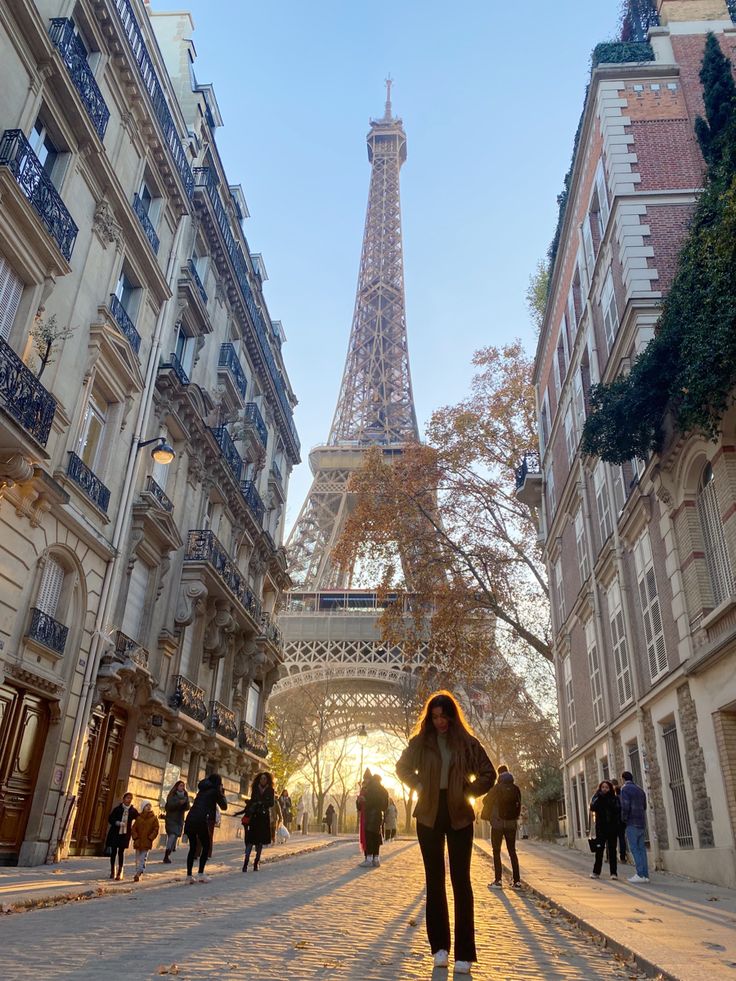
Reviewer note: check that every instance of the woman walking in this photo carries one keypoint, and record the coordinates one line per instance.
(144, 833)
(374, 803)
(605, 810)
(118, 837)
(210, 794)
(258, 812)
(390, 821)
(445, 764)
(176, 807)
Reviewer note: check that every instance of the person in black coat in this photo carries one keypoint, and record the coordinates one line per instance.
(374, 804)
(605, 810)
(210, 794)
(258, 812)
(118, 837)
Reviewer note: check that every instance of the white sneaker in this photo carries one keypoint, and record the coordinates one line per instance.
(441, 958)
(365, 864)
(462, 967)
(189, 880)
(497, 884)
(203, 878)
(594, 875)
(376, 860)
(638, 878)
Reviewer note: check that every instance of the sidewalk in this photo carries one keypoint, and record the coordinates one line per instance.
(679, 927)
(88, 877)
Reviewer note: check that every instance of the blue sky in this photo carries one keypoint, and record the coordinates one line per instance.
(490, 93)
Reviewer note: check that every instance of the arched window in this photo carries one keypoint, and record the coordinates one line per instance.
(50, 612)
(716, 551)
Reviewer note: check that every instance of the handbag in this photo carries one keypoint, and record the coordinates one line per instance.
(245, 820)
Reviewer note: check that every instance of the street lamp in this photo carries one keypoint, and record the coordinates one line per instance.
(362, 737)
(163, 453)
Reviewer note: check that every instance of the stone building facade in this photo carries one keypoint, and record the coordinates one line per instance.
(137, 598)
(641, 558)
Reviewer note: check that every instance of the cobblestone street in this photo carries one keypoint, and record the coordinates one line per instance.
(312, 916)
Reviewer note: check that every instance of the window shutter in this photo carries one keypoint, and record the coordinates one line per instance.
(650, 609)
(579, 397)
(560, 588)
(603, 209)
(11, 290)
(588, 247)
(570, 440)
(619, 487)
(49, 590)
(619, 645)
(608, 308)
(580, 545)
(572, 728)
(716, 551)
(596, 689)
(601, 500)
(251, 709)
(551, 499)
(136, 600)
(186, 651)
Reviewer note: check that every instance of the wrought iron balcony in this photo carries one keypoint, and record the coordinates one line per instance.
(252, 416)
(253, 500)
(16, 154)
(222, 720)
(125, 324)
(192, 266)
(189, 698)
(74, 57)
(127, 649)
(270, 631)
(146, 223)
(24, 397)
(229, 359)
(204, 546)
(229, 453)
(175, 364)
(253, 740)
(80, 473)
(47, 631)
(147, 72)
(158, 495)
(529, 465)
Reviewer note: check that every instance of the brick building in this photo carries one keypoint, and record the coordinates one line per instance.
(641, 558)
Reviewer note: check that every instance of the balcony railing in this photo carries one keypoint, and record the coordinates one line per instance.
(148, 76)
(80, 473)
(229, 360)
(158, 495)
(253, 500)
(192, 266)
(206, 179)
(74, 57)
(229, 453)
(24, 397)
(253, 416)
(222, 720)
(204, 546)
(125, 324)
(128, 649)
(253, 740)
(269, 630)
(16, 154)
(146, 223)
(189, 698)
(175, 364)
(530, 464)
(47, 631)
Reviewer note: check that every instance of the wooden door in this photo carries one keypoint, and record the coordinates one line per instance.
(96, 794)
(24, 721)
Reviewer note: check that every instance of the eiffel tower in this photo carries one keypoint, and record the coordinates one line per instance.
(329, 629)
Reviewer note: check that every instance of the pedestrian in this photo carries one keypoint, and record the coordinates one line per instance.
(605, 812)
(330, 816)
(374, 801)
(276, 819)
(118, 837)
(633, 812)
(359, 801)
(144, 834)
(176, 806)
(301, 817)
(258, 814)
(502, 808)
(446, 765)
(210, 795)
(622, 828)
(286, 808)
(390, 821)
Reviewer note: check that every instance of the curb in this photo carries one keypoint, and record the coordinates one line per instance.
(623, 950)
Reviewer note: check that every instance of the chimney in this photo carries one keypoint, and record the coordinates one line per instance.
(671, 11)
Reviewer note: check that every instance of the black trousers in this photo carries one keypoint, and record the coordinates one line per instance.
(198, 833)
(459, 849)
(372, 842)
(498, 835)
(601, 844)
(118, 850)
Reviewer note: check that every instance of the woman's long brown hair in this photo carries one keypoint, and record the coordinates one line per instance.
(459, 733)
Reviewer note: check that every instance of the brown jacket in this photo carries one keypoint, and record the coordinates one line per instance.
(145, 830)
(420, 766)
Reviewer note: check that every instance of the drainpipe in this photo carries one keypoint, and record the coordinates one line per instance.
(62, 824)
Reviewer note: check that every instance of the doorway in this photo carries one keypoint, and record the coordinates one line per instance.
(98, 790)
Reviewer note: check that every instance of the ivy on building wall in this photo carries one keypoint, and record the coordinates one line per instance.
(688, 371)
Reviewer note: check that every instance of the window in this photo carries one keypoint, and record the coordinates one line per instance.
(717, 558)
(193, 772)
(560, 590)
(605, 768)
(582, 278)
(602, 197)
(49, 590)
(544, 427)
(135, 604)
(619, 646)
(43, 146)
(579, 395)
(93, 429)
(185, 660)
(578, 826)
(562, 356)
(609, 311)
(596, 689)
(253, 704)
(572, 729)
(676, 775)
(550, 488)
(570, 440)
(11, 290)
(619, 487)
(605, 526)
(650, 609)
(581, 545)
(588, 247)
(572, 317)
(184, 348)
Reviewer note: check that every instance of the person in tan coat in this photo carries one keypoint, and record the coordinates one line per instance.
(144, 834)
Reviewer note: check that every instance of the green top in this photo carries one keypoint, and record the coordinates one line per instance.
(446, 756)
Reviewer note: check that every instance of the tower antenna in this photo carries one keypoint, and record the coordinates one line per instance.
(389, 83)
